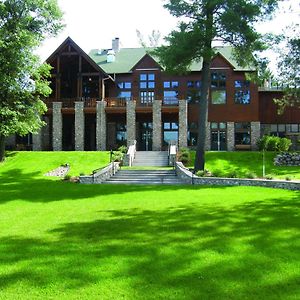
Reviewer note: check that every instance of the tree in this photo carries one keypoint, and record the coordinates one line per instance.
(201, 23)
(24, 24)
(153, 39)
(289, 74)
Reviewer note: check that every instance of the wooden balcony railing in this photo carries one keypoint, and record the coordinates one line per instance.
(170, 101)
(117, 102)
(70, 102)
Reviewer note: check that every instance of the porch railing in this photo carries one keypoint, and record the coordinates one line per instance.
(117, 102)
(70, 102)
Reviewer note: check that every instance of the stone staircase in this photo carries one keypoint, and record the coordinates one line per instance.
(145, 177)
(151, 158)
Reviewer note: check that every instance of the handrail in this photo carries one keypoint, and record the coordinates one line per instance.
(131, 153)
(172, 154)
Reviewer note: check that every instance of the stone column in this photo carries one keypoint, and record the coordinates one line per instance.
(57, 127)
(37, 141)
(101, 126)
(79, 126)
(255, 134)
(230, 136)
(208, 137)
(182, 118)
(157, 133)
(130, 121)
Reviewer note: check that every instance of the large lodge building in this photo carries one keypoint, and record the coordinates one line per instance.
(112, 97)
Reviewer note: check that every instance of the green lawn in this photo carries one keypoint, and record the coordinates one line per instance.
(244, 163)
(61, 240)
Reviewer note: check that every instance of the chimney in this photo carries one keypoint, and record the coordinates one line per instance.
(116, 45)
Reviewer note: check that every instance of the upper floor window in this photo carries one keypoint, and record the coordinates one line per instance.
(124, 85)
(171, 84)
(218, 88)
(193, 84)
(242, 92)
(147, 81)
(124, 90)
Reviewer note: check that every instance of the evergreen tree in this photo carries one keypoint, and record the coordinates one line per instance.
(23, 26)
(201, 23)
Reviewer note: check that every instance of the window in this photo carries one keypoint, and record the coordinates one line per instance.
(193, 84)
(171, 92)
(170, 132)
(242, 134)
(242, 92)
(218, 88)
(147, 86)
(147, 81)
(218, 136)
(146, 97)
(124, 85)
(294, 128)
(121, 134)
(124, 90)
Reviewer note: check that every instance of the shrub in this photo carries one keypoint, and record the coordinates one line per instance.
(274, 143)
(288, 178)
(184, 155)
(269, 176)
(122, 149)
(218, 173)
(284, 144)
(251, 175)
(205, 173)
(67, 177)
(232, 174)
(117, 156)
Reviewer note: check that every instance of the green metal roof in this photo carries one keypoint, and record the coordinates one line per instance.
(127, 58)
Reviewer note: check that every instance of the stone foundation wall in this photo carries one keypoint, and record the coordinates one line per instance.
(189, 178)
(287, 159)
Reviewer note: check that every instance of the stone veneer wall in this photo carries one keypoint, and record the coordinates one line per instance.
(79, 126)
(101, 126)
(157, 130)
(131, 122)
(57, 127)
(255, 134)
(230, 136)
(185, 175)
(183, 127)
(287, 159)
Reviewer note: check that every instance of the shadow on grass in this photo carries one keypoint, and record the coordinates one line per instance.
(248, 251)
(15, 185)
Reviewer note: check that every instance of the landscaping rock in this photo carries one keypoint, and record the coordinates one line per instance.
(287, 159)
(61, 171)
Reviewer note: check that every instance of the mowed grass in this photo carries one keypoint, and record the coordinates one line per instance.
(243, 163)
(60, 240)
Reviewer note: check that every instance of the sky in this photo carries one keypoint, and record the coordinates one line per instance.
(94, 23)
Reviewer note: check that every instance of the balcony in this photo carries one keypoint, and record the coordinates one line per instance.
(70, 102)
(170, 101)
(117, 102)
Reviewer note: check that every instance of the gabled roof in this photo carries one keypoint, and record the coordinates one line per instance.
(67, 41)
(127, 58)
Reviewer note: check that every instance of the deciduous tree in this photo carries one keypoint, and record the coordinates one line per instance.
(202, 22)
(24, 24)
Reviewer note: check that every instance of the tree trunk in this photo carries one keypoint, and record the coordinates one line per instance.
(202, 117)
(2, 147)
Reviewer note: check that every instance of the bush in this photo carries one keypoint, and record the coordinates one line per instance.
(232, 174)
(67, 177)
(274, 143)
(284, 145)
(117, 156)
(205, 173)
(218, 173)
(288, 178)
(269, 176)
(184, 155)
(122, 149)
(251, 175)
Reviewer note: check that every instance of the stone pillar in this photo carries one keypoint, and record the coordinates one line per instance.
(101, 126)
(37, 141)
(182, 118)
(208, 137)
(57, 127)
(255, 134)
(130, 121)
(157, 134)
(79, 126)
(230, 136)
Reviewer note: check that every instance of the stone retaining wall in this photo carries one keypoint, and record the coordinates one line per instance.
(287, 159)
(102, 175)
(189, 178)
